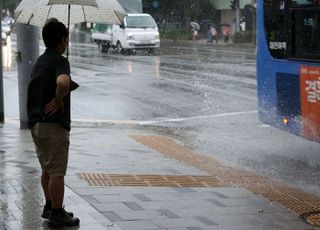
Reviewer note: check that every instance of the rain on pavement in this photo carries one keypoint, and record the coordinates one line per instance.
(203, 95)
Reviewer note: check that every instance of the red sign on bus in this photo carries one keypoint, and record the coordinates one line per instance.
(310, 101)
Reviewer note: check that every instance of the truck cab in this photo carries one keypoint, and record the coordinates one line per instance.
(138, 31)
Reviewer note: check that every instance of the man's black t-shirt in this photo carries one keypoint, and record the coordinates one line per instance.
(42, 89)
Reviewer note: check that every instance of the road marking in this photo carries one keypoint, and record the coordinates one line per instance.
(264, 126)
(161, 120)
(148, 122)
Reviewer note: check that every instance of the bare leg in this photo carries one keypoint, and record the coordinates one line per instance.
(45, 184)
(56, 191)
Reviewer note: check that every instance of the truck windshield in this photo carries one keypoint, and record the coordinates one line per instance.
(140, 22)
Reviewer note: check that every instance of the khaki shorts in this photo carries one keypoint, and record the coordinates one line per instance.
(52, 145)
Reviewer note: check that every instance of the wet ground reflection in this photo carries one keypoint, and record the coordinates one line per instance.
(7, 54)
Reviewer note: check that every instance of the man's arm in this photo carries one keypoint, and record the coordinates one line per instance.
(63, 88)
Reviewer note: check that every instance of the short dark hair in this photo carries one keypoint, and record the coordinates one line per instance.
(52, 33)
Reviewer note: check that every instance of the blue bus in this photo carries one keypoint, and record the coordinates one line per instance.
(288, 65)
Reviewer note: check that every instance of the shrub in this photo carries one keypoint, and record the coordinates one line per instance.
(244, 37)
(175, 34)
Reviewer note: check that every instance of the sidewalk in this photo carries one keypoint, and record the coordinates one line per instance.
(204, 43)
(123, 177)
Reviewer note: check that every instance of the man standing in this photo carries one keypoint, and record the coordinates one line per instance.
(49, 120)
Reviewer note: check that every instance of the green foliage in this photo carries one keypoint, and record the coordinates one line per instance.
(192, 9)
(244, 37)
(234, 4)
(176, 34)
(9, 4)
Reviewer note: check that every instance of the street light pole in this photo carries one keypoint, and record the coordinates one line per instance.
(1, 76)
(27, 54)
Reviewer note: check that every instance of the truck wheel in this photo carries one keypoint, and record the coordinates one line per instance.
(151, 51)
(103, 47)
(119, 47)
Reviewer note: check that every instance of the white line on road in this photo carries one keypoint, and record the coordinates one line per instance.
(162, 120)
(78, 121)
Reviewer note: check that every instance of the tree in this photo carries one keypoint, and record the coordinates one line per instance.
(182, 11)
(9, 4)
(249, 15)
(234, 4)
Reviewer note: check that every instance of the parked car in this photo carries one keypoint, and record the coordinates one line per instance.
(6, 28)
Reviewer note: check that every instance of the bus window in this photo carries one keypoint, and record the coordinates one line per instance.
(305, 3)
(275, 27)
(306, 33)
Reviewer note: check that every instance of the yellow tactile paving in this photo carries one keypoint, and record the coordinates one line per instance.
(100, 179)
(293, 199)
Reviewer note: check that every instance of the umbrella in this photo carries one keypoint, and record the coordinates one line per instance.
(37, 12)
(195, 25)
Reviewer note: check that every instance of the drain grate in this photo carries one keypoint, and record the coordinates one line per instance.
(101, 179)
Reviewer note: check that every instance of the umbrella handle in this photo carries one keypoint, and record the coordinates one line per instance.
(69, 9)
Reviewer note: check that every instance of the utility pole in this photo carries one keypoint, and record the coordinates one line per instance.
(1, 76)
(237, 15)
(235, 5)
(254, 18)
(27, 54)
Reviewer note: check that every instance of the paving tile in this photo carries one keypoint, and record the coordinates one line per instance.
(295, 225)
(114, 198)
(244, 201)
(141, 215)
(194, 228)
(252, 227)
(92, 226)
(161, 205)
(216, 202)
(235, 192)
(184, 190)
(93, 191)
(168, 213)
(220, 195)
(165, 196)
(206, 221)
(89, 198)
(112, 216)
(111, 206)
(134, 206)
(99, 218)
(178, 223)
(142, 197)
(137, 225)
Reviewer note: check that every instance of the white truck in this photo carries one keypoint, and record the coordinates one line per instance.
(138, 31)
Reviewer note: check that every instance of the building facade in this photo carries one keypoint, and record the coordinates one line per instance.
(228, 15)
(131, 6)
